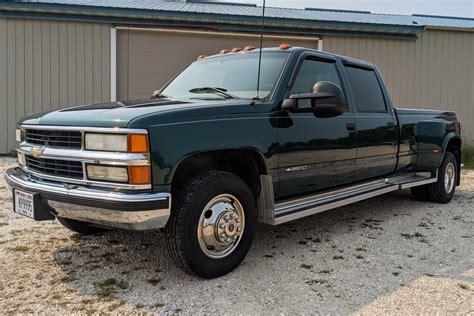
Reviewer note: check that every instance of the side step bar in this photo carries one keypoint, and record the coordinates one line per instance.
(289, 210)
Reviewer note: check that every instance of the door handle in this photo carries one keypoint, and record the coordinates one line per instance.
(350, 126)
(390, 126)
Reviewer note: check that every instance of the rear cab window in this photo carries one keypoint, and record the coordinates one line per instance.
(367, 90)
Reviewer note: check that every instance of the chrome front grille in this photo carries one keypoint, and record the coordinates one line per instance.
(57, 153)
(54, 138)
(56, 167)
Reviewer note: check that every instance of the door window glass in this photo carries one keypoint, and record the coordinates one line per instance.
(310, 72)
(367, 91)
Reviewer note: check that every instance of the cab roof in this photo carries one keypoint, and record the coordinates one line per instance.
(296, 50)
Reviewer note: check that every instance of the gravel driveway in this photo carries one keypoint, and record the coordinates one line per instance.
(389, 254)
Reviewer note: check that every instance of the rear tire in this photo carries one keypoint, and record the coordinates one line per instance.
(212, 224)
(420, 193)
(82, 228)
(443, 190)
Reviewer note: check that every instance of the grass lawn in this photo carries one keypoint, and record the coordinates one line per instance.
(468, 157)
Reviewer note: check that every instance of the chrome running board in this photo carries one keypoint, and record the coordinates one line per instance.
(289, 210)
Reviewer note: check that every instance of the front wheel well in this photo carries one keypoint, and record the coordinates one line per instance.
(245, 163)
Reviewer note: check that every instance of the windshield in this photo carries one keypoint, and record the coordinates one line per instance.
(226, 77)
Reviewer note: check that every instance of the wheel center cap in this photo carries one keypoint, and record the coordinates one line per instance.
(228, 228)
(231, 228)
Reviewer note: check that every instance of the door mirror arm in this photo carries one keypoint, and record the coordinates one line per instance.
(291, 104)
(312, 95)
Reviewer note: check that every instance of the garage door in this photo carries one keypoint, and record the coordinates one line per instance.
(147, 59)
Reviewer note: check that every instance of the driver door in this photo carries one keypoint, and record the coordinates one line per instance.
(315, 153)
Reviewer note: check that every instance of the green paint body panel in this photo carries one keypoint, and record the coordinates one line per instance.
(301, 152)
(177, 135)
(114, 114)
(428, 133)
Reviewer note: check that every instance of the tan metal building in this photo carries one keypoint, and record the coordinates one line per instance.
(55, 55)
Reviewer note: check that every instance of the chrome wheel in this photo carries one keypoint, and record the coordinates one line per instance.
(220, 226)
(449, 177)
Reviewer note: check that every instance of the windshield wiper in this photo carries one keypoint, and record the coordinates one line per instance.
(214, 90)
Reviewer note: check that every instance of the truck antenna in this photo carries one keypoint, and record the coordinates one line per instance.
(260, 56)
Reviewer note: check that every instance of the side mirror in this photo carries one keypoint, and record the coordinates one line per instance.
(327, 100)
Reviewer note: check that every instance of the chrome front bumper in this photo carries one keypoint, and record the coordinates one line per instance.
(134, 211)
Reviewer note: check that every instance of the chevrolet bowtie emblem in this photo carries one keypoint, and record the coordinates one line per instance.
(37, 151)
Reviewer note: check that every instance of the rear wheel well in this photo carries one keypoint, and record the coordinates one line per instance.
(245, 163)
(454, 147)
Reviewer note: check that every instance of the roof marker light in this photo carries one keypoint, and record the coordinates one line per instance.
(236, 49)
(224, 51)
(201, 57)
(249, 48)
(285, 46)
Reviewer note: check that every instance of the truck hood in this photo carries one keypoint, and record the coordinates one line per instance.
(113, 114)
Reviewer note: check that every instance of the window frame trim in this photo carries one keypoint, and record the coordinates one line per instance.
(322, 58)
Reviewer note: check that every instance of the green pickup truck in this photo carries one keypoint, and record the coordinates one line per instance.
(208, 155)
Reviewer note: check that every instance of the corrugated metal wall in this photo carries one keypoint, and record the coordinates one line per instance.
(46, 65)
(434, 72)
(148, 59)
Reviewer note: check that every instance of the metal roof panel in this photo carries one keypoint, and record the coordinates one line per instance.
(243, 10)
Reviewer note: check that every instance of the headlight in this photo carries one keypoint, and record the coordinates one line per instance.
(106, 173)
(131, 174)
(20, 135)
(106, 142)
(132, 143)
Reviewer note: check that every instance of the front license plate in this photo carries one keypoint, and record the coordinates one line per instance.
(24, 203)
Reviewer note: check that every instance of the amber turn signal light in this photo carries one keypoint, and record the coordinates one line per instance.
(201, 57)
(139, 175)
(248, 48)
(285, 46)
(138, 143)
(236, 49)
(224, 51)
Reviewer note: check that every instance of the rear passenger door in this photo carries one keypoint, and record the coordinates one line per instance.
(377, 130)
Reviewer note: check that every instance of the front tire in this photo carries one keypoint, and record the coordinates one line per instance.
(212, 224)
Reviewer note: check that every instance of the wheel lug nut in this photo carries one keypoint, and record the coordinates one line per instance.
(238, 229)
(222, 226)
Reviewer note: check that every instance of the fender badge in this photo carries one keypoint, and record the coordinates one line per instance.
(298, 168)
(37, 151)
